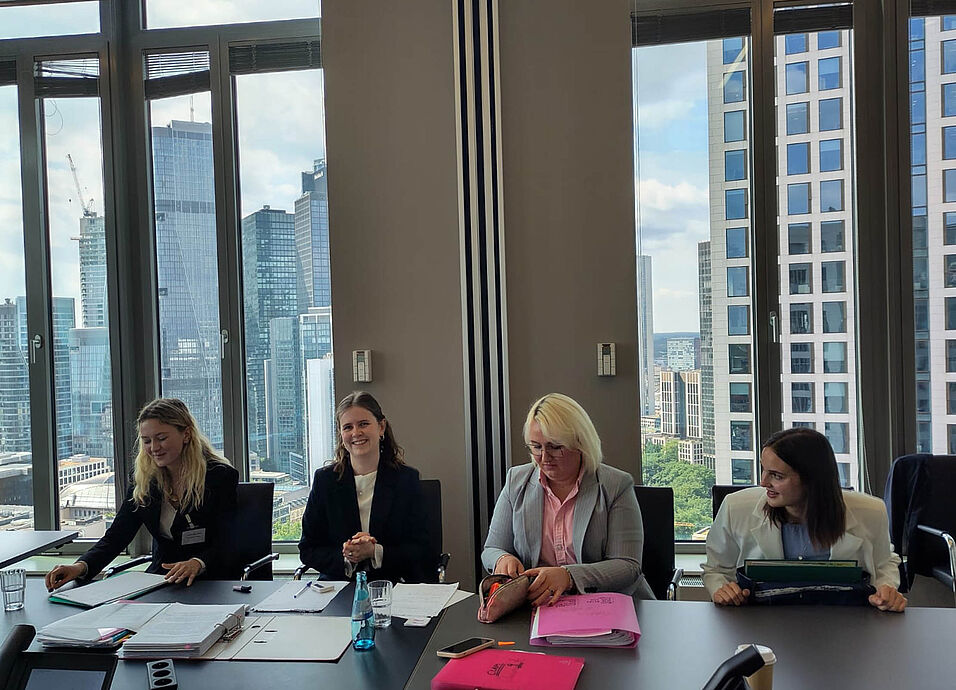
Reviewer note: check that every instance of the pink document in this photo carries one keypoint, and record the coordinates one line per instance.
(497, 669)
(605, 619)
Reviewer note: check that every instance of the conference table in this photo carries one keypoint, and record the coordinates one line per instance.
(682, 643)
(15, 545)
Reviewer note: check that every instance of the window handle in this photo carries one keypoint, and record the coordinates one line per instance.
(774, 328)
(35, 344)
(223, 341)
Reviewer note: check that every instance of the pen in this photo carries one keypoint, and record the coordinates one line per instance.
(505, 644)
(304, 587)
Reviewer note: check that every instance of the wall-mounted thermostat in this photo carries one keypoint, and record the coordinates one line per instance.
(606, 360)
(361, 366)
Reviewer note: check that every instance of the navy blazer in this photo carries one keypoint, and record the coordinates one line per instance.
(397, 521)
(216, 514)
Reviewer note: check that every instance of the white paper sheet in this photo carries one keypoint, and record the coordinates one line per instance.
(420, 601)
(310, 601)
(123, 586)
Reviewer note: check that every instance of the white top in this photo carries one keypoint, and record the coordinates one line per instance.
(364, 491)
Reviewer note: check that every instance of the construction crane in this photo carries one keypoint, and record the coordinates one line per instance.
(88, 211)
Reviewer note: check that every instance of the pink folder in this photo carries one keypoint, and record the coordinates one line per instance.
(604, 619)
(497, 669)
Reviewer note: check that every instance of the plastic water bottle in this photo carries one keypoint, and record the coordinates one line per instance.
(363, 632)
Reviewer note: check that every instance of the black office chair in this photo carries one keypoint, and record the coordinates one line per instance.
(718, 492)
(919, 500)
(251, 530)
(657, 561)
(437, 559)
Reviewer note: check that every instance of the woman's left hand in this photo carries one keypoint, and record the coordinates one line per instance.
(183, 570)
(548, 584)
(887, 598)
(359, 548)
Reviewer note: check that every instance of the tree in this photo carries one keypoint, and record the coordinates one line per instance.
(287, 531)
(691, 484)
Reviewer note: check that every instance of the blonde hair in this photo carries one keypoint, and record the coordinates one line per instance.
(196, 453)
(564, 421)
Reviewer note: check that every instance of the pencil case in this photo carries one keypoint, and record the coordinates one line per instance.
(511, 594)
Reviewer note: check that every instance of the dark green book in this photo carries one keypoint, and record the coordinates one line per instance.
(842, 572)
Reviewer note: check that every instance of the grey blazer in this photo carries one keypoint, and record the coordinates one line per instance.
(608, 535)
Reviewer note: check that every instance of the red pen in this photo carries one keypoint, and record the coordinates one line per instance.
(494, 586)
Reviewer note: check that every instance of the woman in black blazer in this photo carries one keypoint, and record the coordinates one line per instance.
(365, 510)
(182, 490)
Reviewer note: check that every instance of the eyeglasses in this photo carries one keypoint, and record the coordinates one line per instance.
(555, 451)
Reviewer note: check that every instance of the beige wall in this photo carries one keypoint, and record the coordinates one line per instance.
(567, 152)
(394, 232)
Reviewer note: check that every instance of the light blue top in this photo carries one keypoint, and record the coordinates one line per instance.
(797, 544)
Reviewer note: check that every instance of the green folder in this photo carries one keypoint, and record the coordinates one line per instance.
(842, 572)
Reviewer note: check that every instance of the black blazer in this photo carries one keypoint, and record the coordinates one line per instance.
(397, 521)
(216, 514)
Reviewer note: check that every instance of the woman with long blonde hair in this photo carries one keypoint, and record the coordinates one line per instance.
(182, 490)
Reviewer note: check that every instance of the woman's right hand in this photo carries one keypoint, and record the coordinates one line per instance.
(509, 565)
(730, 594)
(62, 574)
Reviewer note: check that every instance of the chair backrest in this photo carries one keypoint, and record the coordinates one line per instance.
(919, 490)
(431, 496)
(254, 526)
(718, 492)
(657, 514)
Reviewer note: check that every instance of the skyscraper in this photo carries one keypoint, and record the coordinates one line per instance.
(706, 352)
(645, 333)
(315, 333)
(186, 261)
(92, 244)
(312, 239)
(285, 421)
(14, 384)
(269, 262)
(91, 394)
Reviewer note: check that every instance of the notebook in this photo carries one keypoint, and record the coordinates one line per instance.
(128, 585)
(497, 669)
(605, 619)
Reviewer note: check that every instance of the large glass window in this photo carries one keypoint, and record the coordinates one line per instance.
(738, 319)
(834, 358)
(801, 397)
(800, 279)
(739, 397)
(834, 317)
(798, 198)
(735, 125)
(735, 204)
(831, 114)
(833, 276)
(798, 158)
(796, 78)
(949, 56)
(829, 73)
(737, 281)
(949, 101)
(798, 118)
(49, 20)
(801, 358)
(801, 318)
(734, 90)
(831, 196)
(735, 165)
(795, 43)
(163, 14)
(799, 238)
(831, 236)
(831, 155)
(835, 397)
(733, 50)
(736, 243)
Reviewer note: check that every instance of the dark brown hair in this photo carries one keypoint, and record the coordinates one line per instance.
(810, 455)
(390, 452)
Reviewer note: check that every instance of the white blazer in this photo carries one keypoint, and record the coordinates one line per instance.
(742, 531)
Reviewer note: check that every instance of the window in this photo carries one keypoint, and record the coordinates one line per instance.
(918, 151)
(176, 13)
(828, 39)
(834, 358)
(735, 165)
(801, 358)
(919, 190)
(736, 243)
(739, 355)
(829, 75)
(917, 65)
(738, 319)
(49, 20)
(800, 279)
(739, 397)
(740, 436)
(798, 158)
(923, 404)
(801, 397)
(835, 398)
(919, 232)
(924, 437)
(742, 471)
(832, 274)
(922, 356)
(951, 313)
(803, 425)
(831, 114)
(918, 108)
(798, 118)
(949, 145)
(949, 270)
(921, 314)
(831, 236)
(796, 78)
(920, 273)
(949, 22)
(737, 281)
(795, 43)
(949, 101)
(949, 56)
(843, 470)
(801, 318)
(834, 317)
(949, 185)
(949, 228)
(735, 204)
(831, 196)
(798, 198)
(799, 235)
(733, 50)
(838, 434)
(951, 439)
(734, 91)
(951, 356)
(831, 155)
(951, 397)
(734, 126)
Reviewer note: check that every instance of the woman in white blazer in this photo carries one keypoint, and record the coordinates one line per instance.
(569, 522)
(799, 511)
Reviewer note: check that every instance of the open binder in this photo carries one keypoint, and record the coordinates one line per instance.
(128, 585)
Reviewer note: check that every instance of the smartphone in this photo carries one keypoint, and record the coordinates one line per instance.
(465, 647)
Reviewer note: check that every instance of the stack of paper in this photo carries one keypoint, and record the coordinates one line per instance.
(497, 669)
(102, 627)
(587, 620)
(183, 631)
(300, 597)
(421, 601)
(128, 585)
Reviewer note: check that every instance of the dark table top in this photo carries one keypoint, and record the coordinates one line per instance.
(682, 643)
(20, 544)
(389, 665)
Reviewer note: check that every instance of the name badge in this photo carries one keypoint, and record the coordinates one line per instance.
(194, 536)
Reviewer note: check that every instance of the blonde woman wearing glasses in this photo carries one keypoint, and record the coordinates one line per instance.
(566, 520)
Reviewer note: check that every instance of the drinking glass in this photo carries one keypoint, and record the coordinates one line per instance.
(380, 592)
